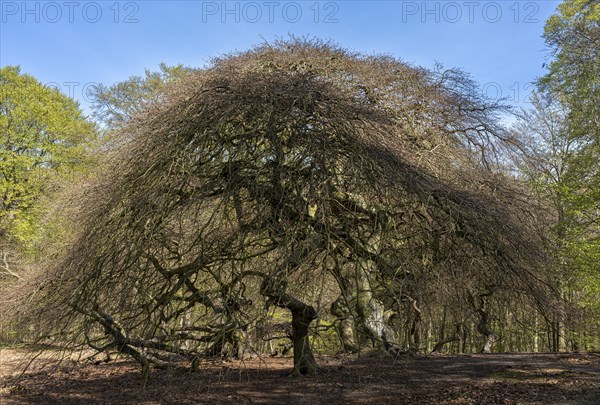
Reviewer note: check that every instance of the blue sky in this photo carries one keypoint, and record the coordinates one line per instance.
(72, 43)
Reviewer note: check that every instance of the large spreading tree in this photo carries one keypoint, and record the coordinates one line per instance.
(297, 176)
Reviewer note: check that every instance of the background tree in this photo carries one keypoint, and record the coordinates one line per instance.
(44, 136)
(117, 103)
(573, 35)
(557, 169)
(561, 137)
(45, 142)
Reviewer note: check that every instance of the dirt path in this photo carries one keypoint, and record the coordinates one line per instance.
(467, 379)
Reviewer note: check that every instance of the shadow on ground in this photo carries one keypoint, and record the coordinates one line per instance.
(467, 379)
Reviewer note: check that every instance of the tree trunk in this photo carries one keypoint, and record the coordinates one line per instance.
(556, 335)
(536, 337)
(484, 328)
(457, 337)
(304, 361)
(302, 316)
(415, 328)
(372, 316)
(346, 330)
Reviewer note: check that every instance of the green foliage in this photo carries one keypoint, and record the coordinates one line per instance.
(561, 169)
(326, 339)
(117, 103)
(44, 137)
(573, 35)
(562, 133)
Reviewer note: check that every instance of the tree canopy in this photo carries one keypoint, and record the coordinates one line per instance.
(573, 35)
(300, 176)
(561, 137)
(44, 136)
(117, 103)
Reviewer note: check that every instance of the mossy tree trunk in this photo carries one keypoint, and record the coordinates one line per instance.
(484, 325)
(372, 316)
(340, 308)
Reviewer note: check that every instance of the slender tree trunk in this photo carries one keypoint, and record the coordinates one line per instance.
(428, 335)
(415, 330)
(556, 335)
(464, 341)
(536, 337)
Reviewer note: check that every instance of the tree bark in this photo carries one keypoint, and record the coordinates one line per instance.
(347, 327)
(440, 344)
(372, 316)
(483, 326)
(302, 316)
(304, 361)
(415, 328)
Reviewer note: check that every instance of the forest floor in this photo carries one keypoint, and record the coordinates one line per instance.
(508, 378)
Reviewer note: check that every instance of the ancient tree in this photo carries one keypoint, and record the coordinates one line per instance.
(296, 176)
